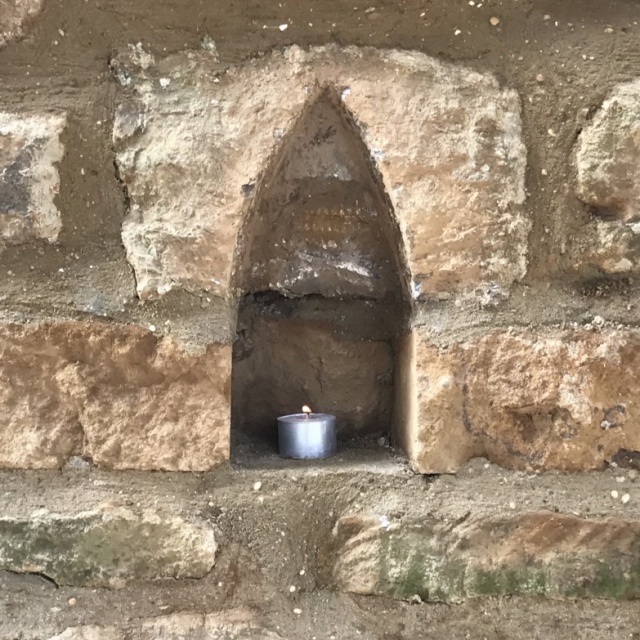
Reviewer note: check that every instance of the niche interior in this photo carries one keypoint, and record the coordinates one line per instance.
(322, 281)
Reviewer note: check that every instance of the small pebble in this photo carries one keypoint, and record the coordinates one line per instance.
(297, 611)
(292, 589)
(72, 602)
(540, 78)
(614, 494)
(512, 505)
(283, 27)
(494, 21)
(633, 474)
(301, 572)
(620, 479)
(152, 327)
(625, 498)
(257, 485)
(261, 499)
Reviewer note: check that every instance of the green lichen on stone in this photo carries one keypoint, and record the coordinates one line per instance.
(608, 580)
(500, 581)
(426, 562)
(410, 567)
(105, 548)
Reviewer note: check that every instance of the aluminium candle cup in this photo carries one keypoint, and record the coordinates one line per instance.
(303, 437)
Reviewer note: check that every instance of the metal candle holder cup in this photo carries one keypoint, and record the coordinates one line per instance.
(307, 435)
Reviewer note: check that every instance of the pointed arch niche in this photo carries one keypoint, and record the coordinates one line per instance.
(323, 283)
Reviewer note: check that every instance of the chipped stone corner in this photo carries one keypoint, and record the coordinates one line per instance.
(30, 149)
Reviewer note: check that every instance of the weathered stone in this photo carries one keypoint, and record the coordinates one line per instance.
(234, 624)
(443, 141)
(608, 156)
(552, 400)
(539, 553)
(30, 147)
(90, 633)
(608, 168)
(106, 547)
(13, 16)
(112, 393)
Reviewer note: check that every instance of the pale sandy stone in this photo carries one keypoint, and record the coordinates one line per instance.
(30, 149)
(608, 179)
(232, 624)
(554, 400)
(13, 17)
(608, 155)
(90, 633)
(114, 393)
(445, 142)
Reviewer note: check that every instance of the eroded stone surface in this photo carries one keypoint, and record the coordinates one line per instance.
(13, 16)
(30, 148)
(89, 633)
(608, 155)
(234, 624)
(539, 553)
(114, 393)
(106, 547)
(193, 144)
(554, 400)
(608, 167)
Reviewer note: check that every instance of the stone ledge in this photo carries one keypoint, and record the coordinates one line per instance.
(105, 547)
(541, 553)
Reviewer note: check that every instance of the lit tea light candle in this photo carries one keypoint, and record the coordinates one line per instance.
(307, 435)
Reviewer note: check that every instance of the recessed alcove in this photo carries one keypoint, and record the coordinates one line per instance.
(322, 284)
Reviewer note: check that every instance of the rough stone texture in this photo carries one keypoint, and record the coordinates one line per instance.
(30, 147)
(285, 363)
(89, 633)
(551, 400)
(106, 547)
(321, 224)
(235, 624)
(608, 161)
(193, 144)
(13, 16)
(114, 393)
(539, 553)
(608, 156)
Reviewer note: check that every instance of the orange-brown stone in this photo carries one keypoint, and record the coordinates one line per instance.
(114, 393)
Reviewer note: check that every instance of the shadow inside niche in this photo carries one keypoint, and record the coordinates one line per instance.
(321, 268)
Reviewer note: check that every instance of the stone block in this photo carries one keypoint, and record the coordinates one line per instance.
(608, 179)
(30, 148)
(13, 17)
(444, 143)
(556, 399)
(541, 553)
(106, 547)
(232, 624)
(114, 393)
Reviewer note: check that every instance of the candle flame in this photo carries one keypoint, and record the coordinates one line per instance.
(306, 409)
